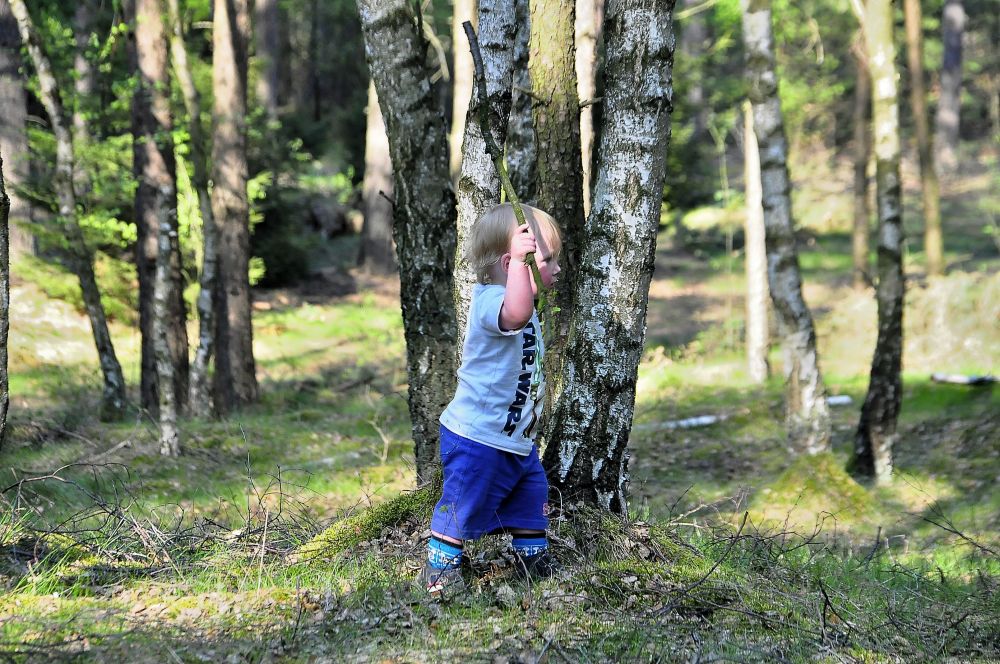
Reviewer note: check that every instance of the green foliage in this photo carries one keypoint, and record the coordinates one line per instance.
(115, 277)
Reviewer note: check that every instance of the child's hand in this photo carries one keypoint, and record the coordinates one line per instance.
(522, 243)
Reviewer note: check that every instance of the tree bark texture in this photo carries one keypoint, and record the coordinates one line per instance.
(463, 10)
(586, 452)
(267, 30)
(806, 413)
(479, 183)
(424, 214)
(950, 103)
(4, 304)
(556, 115)
(876, 432)
(377, 253)
(929, 190)
(235, 380)
(522, 144)
(80, 257)
(84, 75)
(862, 154)
(14, 130)
(589, 16)
(156, 204)
(199, 394)
(164, 295)
(757, 332)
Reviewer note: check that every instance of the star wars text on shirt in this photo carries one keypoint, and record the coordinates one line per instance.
(523, 383)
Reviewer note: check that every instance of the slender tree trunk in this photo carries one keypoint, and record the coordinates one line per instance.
(424, 214)
(950, 103)
(556, 115)
(586, 454)
(806, 412)
(479, 183)
(14, 131)
(84, 77)
(758, 333)
(268, 33)
(933, 242)
(156, 219)
(4, 305)
(81, 259)
(589, 16)
(693, 43)
(235, 381)
(377, 253)
(155, 204)
(522, 144)
(463, 10)
(862, 154)
(876, 433)
(199, 395)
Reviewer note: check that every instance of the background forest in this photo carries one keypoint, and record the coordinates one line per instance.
(216, 400)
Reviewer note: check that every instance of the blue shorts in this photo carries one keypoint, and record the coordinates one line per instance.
(486, 489)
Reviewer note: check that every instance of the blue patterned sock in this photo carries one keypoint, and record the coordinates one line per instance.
(443, 555)
(530, 545)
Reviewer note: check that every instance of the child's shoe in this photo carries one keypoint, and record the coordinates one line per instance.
(442, 583)
(537, 567)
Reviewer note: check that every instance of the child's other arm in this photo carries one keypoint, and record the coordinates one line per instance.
(518, 298)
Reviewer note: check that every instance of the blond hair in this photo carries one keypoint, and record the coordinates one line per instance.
(491, 234)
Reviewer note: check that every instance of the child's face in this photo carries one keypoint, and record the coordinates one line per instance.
(548, 267)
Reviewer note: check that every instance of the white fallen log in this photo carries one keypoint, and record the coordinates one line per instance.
(959, 379)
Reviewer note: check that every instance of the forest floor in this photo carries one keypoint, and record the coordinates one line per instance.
(258, 543)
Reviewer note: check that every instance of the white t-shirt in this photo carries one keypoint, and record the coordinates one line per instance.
(493, 403)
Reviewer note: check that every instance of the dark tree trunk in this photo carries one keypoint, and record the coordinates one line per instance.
(377, 254)
(424, 214)
(4, 305)
(479, 182)
(268, 32)
(950, 103)
(199, 395)
(876, 433)
(14, 130)
(933, 242)
(81, 259)
(806, 413)
(862, 154)
(235, 381)
(155, 204)
(586, 452)
(522, 144)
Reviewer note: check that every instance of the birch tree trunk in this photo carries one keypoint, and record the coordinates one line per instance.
(235, 380)
(862, 154)
(930, 192)
(424, 214)
(199, 395)
(806, 413)
(463, 10)
(876, 432)
(589, 16)
(268, 34)
(155, 204)
(522, 144)
(163, 297)
(377, 254)
(586, 452)
(4, 305)
(84, 79)
(950, 104)
(758, 334)
(479, 183)
(81, 259)
(14, 130)
(556, 116)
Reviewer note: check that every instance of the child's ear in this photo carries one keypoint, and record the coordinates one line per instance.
(505, 262)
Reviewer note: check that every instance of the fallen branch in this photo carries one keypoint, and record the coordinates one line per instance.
(958, 379)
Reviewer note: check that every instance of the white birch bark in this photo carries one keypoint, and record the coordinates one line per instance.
(589, 16)
(479, 183)
(113, 400)
(757, 332)
(586, 450)
(806, 413)
(163, 293)
(424, 213)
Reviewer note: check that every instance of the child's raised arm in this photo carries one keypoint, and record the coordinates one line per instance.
(518, 299)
